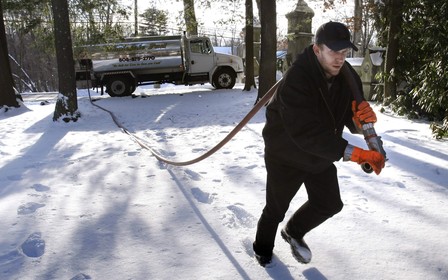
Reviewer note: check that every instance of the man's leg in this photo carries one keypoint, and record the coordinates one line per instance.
(282, 184)
(324, 201)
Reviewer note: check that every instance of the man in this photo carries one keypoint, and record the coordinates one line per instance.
(303, 137)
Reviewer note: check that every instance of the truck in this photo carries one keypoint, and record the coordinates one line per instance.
(180, 60)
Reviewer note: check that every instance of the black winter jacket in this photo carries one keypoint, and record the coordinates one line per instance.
(305, 119)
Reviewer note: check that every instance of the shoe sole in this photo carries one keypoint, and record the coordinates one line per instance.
(295, 254)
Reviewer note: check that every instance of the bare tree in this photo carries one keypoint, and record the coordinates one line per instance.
(357, 25)
(190, 18)
(249, 40)
(268, 21)
(67, 103)
(361, 23)
(135, 18)
(7, 95)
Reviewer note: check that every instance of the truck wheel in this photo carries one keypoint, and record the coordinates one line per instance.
(119, 86)
(133, 88)
(224, 78)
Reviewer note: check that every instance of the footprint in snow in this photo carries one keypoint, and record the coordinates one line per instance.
(15, 177)
(40, 188)
(34, 245)
(248, 247)
(81, 276)
(240, 218)
(67, 155)
(193, 175)
(251, 166)
(167, 153)
(29, 208)
(161, 165)
(203, 197)
(199, 150)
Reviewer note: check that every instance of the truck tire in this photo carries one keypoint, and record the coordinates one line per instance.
(119, 86)
(224, 78)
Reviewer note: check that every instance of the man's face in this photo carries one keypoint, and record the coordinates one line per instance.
(331, 61)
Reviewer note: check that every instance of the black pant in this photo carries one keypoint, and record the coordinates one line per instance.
(282, 184)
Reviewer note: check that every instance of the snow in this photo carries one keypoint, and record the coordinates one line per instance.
(81, 200)
(355, 61)
(377, 58)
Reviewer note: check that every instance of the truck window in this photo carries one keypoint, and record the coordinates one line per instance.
(208, 48)
(200, 46)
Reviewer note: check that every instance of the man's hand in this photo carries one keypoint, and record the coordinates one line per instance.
(374, 158)
(363, 113)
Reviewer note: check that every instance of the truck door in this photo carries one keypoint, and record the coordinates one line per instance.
(201, 56)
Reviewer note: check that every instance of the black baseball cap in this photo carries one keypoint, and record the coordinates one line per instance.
(334, 35)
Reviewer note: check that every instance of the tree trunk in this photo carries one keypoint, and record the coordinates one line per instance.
(135, 18)
(190, 18)
(357, 30)
(393, 47)
(249, 40)
(7, 95)
(67, 103)
(268, 57)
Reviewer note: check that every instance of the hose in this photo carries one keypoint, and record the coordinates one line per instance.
(265, 99)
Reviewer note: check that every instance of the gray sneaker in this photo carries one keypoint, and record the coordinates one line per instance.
(299, 249)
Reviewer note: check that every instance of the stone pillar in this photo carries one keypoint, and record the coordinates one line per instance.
(257, 42)
(257, 47)
(299, 30)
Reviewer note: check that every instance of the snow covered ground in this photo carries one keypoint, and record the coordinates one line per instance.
(83, 201)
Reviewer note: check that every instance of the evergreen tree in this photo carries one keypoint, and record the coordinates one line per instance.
(422, 61)
(154, 22)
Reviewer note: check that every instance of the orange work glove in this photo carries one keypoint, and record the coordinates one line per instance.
(375, 159)
(363, 113)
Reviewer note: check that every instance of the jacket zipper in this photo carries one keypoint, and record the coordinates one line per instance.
(329, 110)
